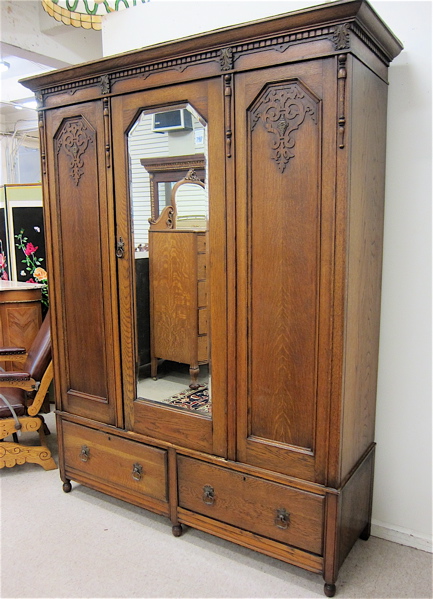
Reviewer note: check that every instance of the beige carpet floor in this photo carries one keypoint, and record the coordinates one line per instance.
(85, 544)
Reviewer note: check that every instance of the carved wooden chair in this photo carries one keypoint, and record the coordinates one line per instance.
(21, 397)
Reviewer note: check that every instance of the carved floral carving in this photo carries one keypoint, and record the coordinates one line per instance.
(341, 37)
(226, 59)
(75, 138)
(105, 84)
(282, 109)
(191, 175)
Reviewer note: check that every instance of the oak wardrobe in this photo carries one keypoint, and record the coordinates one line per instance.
(272, 444)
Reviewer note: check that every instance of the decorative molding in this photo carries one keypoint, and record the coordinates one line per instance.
(191, 176)
(225, 56)
(105, 84)
(282, 109)
(341, 36)
(173, 163)
(106, 114)
(341, 83)
(41, 125)
(75, 138)
(226, 59)
(177, 64)
(39, 99)
(374, 47)
(166, 215)
(70, 88)
(282, 42)
(228, 113)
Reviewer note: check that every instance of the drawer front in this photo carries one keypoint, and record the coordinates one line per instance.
(201, 266)
(201, 242)
(202, 321)
(117, 461)
(202, 349)
(202, 294)
(259, 506)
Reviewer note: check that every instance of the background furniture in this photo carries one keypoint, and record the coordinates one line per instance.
(169, 171)
(17, 389)
(178, 310)
(295, 108)
(21, 213)
(20, 316)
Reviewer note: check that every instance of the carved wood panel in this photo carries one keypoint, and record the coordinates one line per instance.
(281, 146)
(79, 200)
(282, 109)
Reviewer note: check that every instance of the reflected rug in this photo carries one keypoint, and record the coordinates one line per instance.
(197, 400)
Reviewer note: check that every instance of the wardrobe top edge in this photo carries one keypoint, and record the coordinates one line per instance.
(331, 13)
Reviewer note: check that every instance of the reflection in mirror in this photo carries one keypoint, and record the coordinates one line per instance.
(169, 204)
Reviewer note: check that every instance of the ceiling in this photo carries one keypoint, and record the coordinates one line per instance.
(12, 93)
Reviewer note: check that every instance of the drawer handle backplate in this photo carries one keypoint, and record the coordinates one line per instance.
(137, 471)
(84, 453)
(208, 495)
(282, 519)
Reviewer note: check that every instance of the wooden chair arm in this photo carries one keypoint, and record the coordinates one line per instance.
(22, 380)
(13, 354)
(42, 391)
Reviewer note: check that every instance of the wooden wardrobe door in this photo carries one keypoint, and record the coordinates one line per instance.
(285, 152)
(82, 261)
(158, 419)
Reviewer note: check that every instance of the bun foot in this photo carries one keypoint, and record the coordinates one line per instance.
(67, 487)
(329, 589)
(177, 530)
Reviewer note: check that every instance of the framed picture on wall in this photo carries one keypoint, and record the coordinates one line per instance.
(4, 251)
(25, 227)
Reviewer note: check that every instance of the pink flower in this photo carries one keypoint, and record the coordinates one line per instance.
(2, 260)
(4, 276)
(30, 249)
(30, 281)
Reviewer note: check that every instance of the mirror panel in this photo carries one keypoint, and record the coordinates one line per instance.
(170, 218)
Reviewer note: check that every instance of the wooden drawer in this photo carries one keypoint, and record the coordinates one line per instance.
(201, 266)
(202, 321)
(262, 507)
(119, 462)
(202, 294)
(202, 349)
(201, 242)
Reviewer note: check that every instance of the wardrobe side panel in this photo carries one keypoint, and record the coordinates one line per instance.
(366, 190)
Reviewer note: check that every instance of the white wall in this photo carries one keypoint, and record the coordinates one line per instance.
(402, 505)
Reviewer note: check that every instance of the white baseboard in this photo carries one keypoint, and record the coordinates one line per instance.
(402, 536)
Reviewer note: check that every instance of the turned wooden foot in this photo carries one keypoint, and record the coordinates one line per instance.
(194, 371)
(154, 368)
(177, 530)
(329, 589)
(67, 487)
(365, 535)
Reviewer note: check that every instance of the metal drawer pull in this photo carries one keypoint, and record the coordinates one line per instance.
(282, 519)
(208, 495)
(137, 471)
(84, 453)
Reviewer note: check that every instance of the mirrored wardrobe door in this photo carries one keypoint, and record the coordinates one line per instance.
(170, 220)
